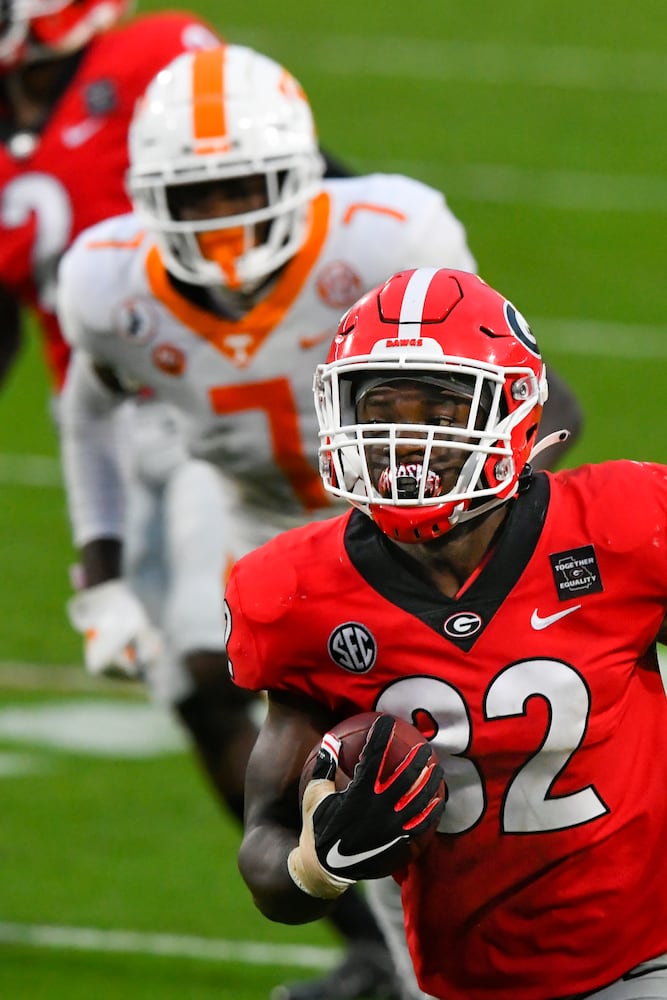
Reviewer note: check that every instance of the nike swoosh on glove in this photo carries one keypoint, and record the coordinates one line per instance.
(350, 835)
(119, 639)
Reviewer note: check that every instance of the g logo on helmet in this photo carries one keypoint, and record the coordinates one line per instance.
(352, 647)
(519, 327)
(462, 624)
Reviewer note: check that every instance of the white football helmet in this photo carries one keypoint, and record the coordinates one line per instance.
(220, 115)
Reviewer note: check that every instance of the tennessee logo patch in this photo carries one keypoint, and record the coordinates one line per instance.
(338, 285)
(169, 359)
(576, 572)
(352, 647)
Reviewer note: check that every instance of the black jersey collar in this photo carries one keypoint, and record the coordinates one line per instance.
(460, 620)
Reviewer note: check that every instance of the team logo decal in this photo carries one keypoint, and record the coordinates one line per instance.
(462, 625)
(576, 572)
(519, 327)
(100, 97)
(134, 321)
(338, 285)
(169, 359)
(352, 647)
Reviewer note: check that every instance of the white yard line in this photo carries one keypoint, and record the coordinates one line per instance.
(510, 63)
(590, 337)
(23, 676)
(563, 190)
(125, 942)
(102, 727)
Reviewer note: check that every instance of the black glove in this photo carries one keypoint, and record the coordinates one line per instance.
(355, 834)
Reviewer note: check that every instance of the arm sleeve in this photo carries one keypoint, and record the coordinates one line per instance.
(91, 464)
(10, 337)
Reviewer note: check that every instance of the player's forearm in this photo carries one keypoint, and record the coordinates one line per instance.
(9, 348)
(101, 560)
(10, 333)
(263, 866)
(91, 463)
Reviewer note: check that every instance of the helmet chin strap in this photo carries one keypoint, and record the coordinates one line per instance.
(459, 516)
(557, 437)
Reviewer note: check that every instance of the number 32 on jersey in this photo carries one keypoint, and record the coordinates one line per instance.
(527, 804)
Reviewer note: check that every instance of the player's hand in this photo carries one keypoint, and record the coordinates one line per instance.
(351, 835)
(119, 639)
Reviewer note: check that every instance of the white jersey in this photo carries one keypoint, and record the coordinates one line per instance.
(241, 389)
(245, 386)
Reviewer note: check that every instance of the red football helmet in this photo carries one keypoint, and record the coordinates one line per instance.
(449, 334)
(31, 30)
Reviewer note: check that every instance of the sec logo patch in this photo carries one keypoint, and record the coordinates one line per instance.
(352, 647)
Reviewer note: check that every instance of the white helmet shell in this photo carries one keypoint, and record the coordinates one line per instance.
(218, 114)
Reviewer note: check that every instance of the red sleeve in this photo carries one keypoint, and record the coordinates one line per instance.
(134, 52)
(625, 504)
(76, 174)
(244, 663)
(258, 602)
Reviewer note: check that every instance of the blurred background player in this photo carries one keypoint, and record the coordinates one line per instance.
(70, 76)
(218, 296)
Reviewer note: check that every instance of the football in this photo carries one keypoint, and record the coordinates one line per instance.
(352, 733)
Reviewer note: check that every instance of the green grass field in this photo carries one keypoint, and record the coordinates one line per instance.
(544, 125)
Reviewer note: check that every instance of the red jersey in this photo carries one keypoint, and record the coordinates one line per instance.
(75, 174)
(540, 687)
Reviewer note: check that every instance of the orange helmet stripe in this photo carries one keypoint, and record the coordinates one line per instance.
(208, 107)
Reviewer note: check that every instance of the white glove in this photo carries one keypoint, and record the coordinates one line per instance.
(119, 639)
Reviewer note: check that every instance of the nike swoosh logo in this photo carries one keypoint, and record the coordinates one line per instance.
(335, 859)
(305, 343)
(75, 135)
(538, 622)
